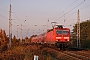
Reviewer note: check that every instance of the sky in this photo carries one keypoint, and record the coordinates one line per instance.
(36, 15)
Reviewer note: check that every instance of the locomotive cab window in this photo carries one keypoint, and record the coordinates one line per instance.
(65, 32)
(62, 32)
(59, 31)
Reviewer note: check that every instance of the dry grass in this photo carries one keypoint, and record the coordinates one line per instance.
(24, 53)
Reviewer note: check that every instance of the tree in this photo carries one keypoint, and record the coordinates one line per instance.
(84, 33)
(14, 40)
(3, 40)
(32, 37)
(26, 40)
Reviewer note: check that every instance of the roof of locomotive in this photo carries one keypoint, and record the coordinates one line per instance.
(58, 28)
(63, 28)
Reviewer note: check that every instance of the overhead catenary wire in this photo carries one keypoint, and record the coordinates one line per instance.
(85, 7)
(68, 7)
(71, 9)
(71, 14)
(80, 9)
(85, 13)
(3, 17)
(14, 21)
(3, 10)
(15, 14)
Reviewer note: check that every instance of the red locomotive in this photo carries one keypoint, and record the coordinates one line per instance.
(58, 36)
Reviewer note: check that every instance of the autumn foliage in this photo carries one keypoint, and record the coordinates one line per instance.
(3, 40)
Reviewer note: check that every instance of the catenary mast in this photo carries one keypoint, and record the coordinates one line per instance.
(78, 30)
(10, 27)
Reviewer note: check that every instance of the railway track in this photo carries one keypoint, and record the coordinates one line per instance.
(58, 54)
(67, 55)
(78, 55)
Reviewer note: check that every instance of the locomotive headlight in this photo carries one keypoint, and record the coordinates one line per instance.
(66, 37)
(56, 40)
(67, 40)
(58, 37)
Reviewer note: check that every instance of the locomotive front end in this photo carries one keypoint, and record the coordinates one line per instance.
(62, 37)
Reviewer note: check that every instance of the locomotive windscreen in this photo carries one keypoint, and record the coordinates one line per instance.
(64, 32)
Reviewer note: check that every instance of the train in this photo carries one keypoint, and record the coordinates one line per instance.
(58, 37)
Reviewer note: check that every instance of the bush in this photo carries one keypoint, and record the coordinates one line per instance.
(86, 44)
